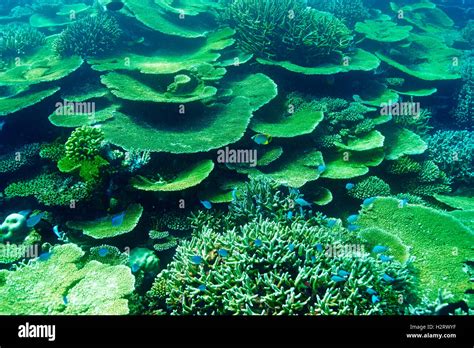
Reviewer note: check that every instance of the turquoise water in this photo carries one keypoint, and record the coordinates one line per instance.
(250, 157)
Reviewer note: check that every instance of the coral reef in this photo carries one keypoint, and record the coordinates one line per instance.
(305, 37)
(371, 187)
(453, 152)
(89, 37)
(58, 284)
(17, 40)
(237, 272)
(84, 143)
(22, 157)
(440, 243)
(350, 11)
(51, 189)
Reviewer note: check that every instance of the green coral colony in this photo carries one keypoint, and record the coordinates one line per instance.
(251, 157)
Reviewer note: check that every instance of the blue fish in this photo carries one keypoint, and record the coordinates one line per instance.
(34, 220)
(135, 267)
(117, 220)
(352, 227)
(262, 139)
(234, 194)
(103, 252)
(289, 215)
(379, 249)
(353, 218)
(368, 201)
(257, 242)
(45, 256)
(385, 258)
(206, 204)
(202, 287)
(65, 300)
(223, 252)
(2, 123)
(57, 232)
(196, 259)
(375, 299)
(403, 203)
(313, 259)
(319, 247)
(337, 279)
(302, 202)
(349, 186)
(332, 222)
(387, 278)
(25, 213)
(343, 273)
(371, 291)
(291, 247)
(322, 168)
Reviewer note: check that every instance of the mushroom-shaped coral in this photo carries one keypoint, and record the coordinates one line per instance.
(89, 37)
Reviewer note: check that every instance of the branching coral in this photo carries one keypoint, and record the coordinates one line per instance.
(268, 268)
(463, 113)
(418, 123)
(19, 39)
(453, 152)
(89, 37)
(371, 187)
(51, 190)
(350, 11)
(84, 143)
(261, 198)
(287, 30)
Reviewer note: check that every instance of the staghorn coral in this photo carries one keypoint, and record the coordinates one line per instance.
(403, 165)
(22, 157)
(373, 186)
(350, 11)
(266, 268)
(287, 30)
(261, 197)
(418, 123)
(84, 143)
(89, 37)
(51, 189)
(453, 152)
(19, 39)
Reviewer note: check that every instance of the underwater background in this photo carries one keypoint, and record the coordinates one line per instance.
(250, 157)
